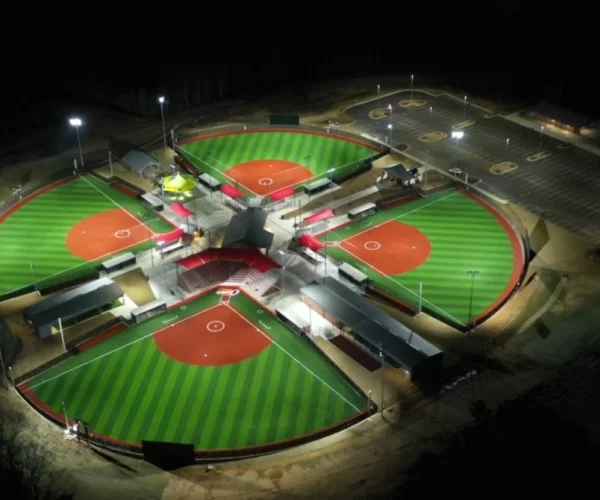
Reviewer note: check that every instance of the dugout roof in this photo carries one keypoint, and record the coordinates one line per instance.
(248, 229)
(138, 161)
(370, 323)
(399, 171)
(73, 302)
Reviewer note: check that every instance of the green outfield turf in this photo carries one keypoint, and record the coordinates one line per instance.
(318, 152)
(464, 236)
(35, 232)
(129, 390)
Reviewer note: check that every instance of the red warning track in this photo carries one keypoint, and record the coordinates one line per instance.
(390, 248)
(217, 336)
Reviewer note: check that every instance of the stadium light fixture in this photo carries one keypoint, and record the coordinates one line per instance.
(77, 122)
(161, 100)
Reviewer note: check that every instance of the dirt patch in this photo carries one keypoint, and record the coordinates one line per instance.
(268, 176)
(503, 168)
(412, 103)
(542, 155)
(135, 285)
(433, 137)
(391, 248)
(217, 336)
(104, 234)
(379, 113)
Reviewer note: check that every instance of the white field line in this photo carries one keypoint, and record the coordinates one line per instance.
(399, 216)
(221, 173)
(303, 366)
(102, 257)
(118, 205)
(433, 306)
(119, 348)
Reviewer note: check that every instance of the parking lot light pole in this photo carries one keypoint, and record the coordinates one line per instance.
(465, 108)
(541, 137)
(77, 122)
(507, 142)
(390, 133)
(412, 87)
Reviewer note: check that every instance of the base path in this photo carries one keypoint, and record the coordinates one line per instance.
(217, 336)
(106, 233)
(267, 176)
(390, 248)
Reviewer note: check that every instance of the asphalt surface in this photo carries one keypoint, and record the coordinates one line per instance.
(563, 188)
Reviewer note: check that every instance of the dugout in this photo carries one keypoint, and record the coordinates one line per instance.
(293, 320)
(153, 202)
(362, 211)
(353, 275)
(209, 182)
(375, 331)
(72, 306)
(117, 263)
(317, 186)
(148, 311)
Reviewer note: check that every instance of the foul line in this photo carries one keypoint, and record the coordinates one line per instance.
(221, 173)
(117, 204)
(399, 216)
(302, 365)
(398, 283)
(119, 348)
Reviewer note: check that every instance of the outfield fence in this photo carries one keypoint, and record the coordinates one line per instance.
(212, 166)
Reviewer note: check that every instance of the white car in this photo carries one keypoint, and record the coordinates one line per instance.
(455, 171)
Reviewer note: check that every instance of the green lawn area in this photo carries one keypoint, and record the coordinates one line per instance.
(129, 390)
(35, 232)
(464, 236)
(319, 153)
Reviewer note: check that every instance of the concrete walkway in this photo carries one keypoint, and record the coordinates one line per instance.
(343, 201)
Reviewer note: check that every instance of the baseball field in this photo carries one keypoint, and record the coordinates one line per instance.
(66, 228)
(219, 372)
(260, 162)
(455, 248)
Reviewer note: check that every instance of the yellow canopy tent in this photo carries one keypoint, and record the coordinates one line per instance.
(178, 183)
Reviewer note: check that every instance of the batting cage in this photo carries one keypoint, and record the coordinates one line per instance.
(133, 158)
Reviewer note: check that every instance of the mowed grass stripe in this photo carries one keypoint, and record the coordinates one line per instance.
(217, 427)
(452, 222)
(136, 393)
(272, 408)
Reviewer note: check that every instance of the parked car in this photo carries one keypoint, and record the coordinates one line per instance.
(455, 171)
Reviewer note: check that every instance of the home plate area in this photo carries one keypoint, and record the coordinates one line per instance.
(390, 248)
(216, 336)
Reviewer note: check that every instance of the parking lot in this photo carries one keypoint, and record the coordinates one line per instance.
(563, 188)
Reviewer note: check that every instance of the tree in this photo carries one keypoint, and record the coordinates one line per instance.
(27, 471)
(521, 448)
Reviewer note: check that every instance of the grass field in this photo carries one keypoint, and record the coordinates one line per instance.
(128, 389)
(35, 232)
(318, 152)
(463, 235)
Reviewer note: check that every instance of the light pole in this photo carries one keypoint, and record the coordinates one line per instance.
(67, 430)
(430, 110)
(507, 142)
(378, 89)
(465, 108)
(382, 356)
(76, 122)
(541, 137)
(389, 133)
(161, 100)
(473, 274)
(282, 253)
(412, 87)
